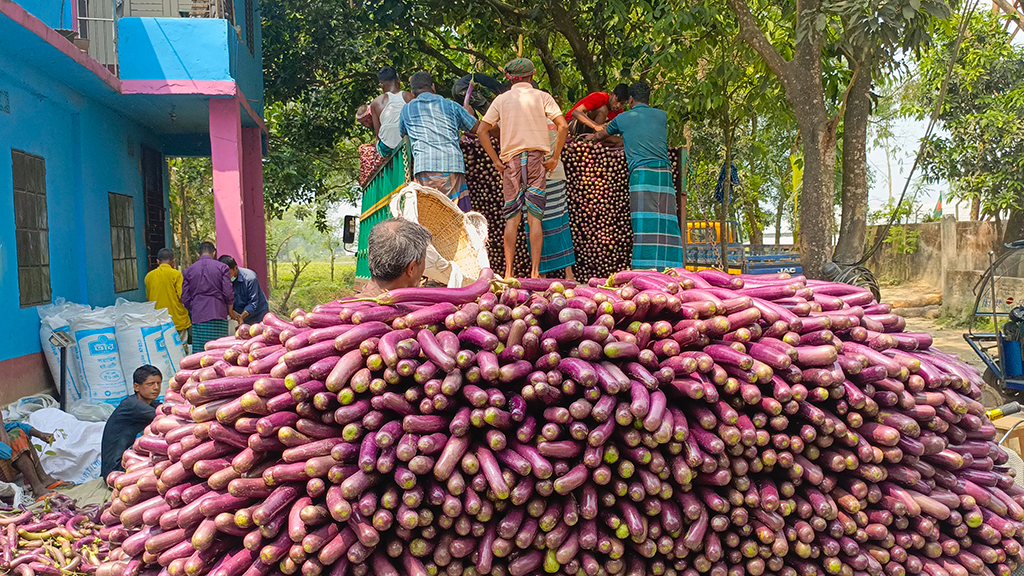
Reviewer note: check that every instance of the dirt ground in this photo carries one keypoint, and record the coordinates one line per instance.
(949, 340)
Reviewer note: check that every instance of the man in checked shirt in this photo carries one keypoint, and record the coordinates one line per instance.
(433, 125)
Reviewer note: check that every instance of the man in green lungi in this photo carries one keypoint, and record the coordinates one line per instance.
(657, 242)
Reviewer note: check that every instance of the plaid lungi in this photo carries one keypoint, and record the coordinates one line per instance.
(207, 331)
(657, 242)
(557, 252)
(523, 183)
(451, 184)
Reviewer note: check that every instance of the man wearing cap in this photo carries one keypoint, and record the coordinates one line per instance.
(524, 112)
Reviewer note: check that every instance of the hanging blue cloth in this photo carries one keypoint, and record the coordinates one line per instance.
(720, 188)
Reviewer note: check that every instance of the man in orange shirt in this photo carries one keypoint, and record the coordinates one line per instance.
(524, 112)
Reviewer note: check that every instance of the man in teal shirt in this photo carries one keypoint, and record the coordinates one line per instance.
(657, 242)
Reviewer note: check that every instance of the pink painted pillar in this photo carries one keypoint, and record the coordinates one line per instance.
(226, 154)
(255, 231)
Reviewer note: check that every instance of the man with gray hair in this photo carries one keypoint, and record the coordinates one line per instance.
(397, 254)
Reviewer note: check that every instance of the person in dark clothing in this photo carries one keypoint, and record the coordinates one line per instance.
(250, 302)
(130, 418)
(485, 88)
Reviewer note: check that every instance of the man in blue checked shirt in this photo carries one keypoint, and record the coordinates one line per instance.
(432, 124)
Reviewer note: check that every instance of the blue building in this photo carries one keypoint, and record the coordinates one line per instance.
(94, 96)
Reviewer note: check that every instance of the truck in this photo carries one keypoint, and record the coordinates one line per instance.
(703, 246)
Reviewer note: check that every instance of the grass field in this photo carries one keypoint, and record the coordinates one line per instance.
(314, 285)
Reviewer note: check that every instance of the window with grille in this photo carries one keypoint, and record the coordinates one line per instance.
(122, 242)
(32, 233)
(250, 37)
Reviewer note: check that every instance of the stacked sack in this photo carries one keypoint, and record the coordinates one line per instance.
(109, 343)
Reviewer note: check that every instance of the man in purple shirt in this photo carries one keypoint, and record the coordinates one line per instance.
(207, 293)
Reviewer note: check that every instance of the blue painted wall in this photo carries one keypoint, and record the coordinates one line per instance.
(192, 49)
(49, 12)
(89, 150)
(248, 68)
(174, 49)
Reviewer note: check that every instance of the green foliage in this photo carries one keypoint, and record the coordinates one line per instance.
(314, 285)
(310, 165)
(191, 205)
(980, 150)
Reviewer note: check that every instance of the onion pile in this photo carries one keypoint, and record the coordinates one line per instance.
(647, 424)
(58, 539)
(369, 160)
(597, 191)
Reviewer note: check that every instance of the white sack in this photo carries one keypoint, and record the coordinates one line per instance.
(101, 377)
(75, 453)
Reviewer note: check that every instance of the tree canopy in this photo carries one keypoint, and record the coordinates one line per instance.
(782, 89)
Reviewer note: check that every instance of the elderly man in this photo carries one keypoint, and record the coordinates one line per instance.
(524, 112)
(657, 242)
(397, 255)
(433, 125)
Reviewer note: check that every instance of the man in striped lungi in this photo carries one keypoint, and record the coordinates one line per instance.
(523, 112)
(657, 242)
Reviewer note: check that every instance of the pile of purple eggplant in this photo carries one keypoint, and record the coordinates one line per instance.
(646, 424)
(58, 538)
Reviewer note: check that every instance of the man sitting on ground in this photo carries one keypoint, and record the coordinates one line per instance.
(397, 254)
(130, 418)
(18, 456)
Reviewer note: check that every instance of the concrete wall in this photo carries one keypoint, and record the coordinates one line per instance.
(964, 260)
(89, 150)
(924, 264)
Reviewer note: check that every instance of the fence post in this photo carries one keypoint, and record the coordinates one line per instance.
(948, 242)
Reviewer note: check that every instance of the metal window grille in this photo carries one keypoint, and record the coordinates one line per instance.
(122, 242)
(32, 233)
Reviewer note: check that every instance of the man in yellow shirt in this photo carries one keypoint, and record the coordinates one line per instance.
(163, 286)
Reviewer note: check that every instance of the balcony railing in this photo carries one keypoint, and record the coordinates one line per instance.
(97, 29)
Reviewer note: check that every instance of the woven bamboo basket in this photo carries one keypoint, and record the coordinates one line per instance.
(458, 237)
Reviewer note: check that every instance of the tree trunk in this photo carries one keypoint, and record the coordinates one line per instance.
(817, 192)
(779, 209)
(547, 59)
(1014, 226)
(976, 209)
(756, 234)
(853, 227)
(332, 265)
(801, 77)
(564, 23)
(186, 251)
